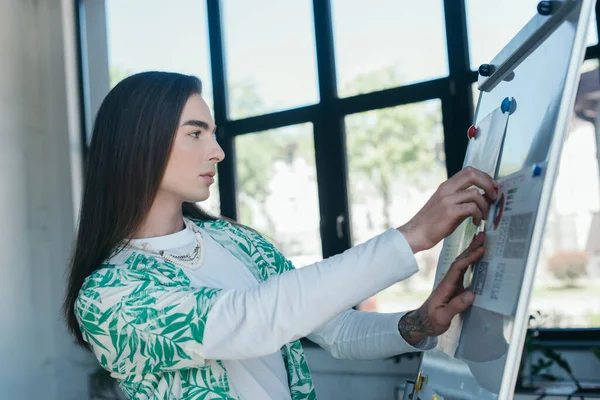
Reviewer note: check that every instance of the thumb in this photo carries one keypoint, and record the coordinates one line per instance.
(459, 304)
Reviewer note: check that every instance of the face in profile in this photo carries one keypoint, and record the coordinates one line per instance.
(192, 163)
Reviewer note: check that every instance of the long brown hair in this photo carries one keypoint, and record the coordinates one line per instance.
(131, 142)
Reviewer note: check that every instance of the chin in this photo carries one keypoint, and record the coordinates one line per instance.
(198, 197)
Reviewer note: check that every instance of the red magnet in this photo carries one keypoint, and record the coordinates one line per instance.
(472, 132)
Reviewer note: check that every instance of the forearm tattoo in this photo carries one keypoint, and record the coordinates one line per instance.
(416, 323)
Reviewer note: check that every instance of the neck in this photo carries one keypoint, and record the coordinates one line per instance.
(165, 217)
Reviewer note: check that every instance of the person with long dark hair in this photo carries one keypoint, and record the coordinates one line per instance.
(178, 304)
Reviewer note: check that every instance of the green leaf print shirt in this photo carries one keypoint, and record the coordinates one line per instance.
(153, 330)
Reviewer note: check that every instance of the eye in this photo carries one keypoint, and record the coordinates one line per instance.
(196, 134)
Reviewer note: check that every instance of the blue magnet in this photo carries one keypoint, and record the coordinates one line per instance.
(506, 105)
(537, 170)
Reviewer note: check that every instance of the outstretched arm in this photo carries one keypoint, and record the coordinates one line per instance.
(367, 335)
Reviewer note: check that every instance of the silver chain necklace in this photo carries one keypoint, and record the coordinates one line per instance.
(191, 260)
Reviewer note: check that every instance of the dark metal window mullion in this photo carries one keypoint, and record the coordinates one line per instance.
(227, 173)
(330, 146)
(457, 103)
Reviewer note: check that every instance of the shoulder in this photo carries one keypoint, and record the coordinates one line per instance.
(140, 281)
(131, 268)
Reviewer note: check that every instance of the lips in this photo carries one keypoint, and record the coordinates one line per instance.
(208, 177)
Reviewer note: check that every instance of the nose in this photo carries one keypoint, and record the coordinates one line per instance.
(217, 154)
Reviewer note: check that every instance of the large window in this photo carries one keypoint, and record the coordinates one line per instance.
(340, 118)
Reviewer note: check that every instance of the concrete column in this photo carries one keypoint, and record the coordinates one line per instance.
(40, 173)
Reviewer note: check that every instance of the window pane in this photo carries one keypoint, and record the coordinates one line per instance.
(492, 24)
(387, 45)
(567, 285)
(148, 35)
(278, 190)
(396, 161)
(270, 55)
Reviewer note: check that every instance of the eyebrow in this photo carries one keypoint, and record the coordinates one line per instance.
(198, 123)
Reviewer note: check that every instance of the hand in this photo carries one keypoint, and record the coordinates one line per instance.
(448, 299)
(450, 205)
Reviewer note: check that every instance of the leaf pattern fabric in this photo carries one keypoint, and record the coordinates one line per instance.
(145, 322)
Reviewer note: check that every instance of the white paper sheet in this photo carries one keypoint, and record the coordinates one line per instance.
(498, 276)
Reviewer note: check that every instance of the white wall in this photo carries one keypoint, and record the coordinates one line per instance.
(38, 145)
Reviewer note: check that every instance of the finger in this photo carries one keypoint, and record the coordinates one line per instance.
(465, 210)
(478, 241)
(457, 305)
(471, 195)
(459, 290)
(458, 268)
(452, 283)
(477, 244)
(468, 177)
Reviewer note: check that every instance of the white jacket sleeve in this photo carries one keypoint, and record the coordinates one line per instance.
(259, 321)
(357, 335)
